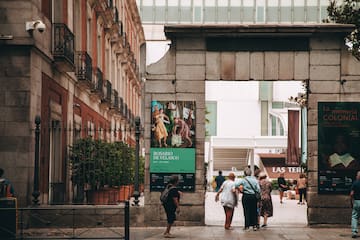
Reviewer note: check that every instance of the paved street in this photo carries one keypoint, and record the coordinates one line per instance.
(288, 213)
(288, 223)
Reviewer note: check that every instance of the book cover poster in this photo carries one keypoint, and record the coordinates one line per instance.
(172, 146)
(338, 145)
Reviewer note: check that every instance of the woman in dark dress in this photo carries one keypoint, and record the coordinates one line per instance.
(266, 206)
(282, 186)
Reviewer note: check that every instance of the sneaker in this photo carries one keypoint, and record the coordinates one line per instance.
(264, 225)
(246, 229)
(353, 235)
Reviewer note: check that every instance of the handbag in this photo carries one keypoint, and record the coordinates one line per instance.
(257, 194)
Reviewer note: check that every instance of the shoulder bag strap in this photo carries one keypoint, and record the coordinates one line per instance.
(251, 185)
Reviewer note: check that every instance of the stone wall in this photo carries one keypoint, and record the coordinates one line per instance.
(181, 75)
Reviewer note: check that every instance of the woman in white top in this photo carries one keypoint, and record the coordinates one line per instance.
(228, 199)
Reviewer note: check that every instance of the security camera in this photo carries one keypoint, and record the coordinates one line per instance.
(38, 24)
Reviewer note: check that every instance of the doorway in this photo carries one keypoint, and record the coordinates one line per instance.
(248, 124)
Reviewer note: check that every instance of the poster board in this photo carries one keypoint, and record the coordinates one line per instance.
(338, 146)
(172, 146)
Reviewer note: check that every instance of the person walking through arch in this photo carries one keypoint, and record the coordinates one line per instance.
(219, 179)
(229, 199)
(249, 186)
(282, 186)
(172, 204)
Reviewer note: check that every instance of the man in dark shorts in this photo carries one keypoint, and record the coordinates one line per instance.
(171, 206)
(355, 204)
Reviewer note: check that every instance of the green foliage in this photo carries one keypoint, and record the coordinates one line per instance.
(95, 163)
(348, 12)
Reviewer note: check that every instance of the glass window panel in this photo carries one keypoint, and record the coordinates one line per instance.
(173, 14)
(223, 3)
(160, 3)
(147, 14)
(323, 14)
(285, 14)
(273, 126)
(272, 14)
(223, 14)
(197, 14)
(186, 14)
(248, 14)
(286, 3)
(260, 14)
(299, 14)
(211, 118)
(261, 3)
(311, 14)
(299, 3)
(312, 2)
(235, 3)
(209, 14)
(248, 3)
(147, 2)
(209, 3)
(185, 3)
(173, 3)
(235, 14)
(273, 3)
(160, 14)
(198, 2)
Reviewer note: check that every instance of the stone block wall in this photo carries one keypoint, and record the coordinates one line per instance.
(332, 73)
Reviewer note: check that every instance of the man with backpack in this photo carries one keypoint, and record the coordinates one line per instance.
(6, 188)
(170, 199)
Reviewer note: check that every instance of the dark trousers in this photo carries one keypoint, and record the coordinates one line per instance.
(302, 193)
(249, 203)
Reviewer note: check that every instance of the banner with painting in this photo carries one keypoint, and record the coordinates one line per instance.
(172, 147)
(338, 146)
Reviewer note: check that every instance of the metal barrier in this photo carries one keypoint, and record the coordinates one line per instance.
(68, 222)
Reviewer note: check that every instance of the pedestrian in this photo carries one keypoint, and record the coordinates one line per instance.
(172, 204)
(219, 179)
(266, 206)
(301, 186)
(355, 205)
(229, 199)
(249, 186)
(282, 186)
(6, 188)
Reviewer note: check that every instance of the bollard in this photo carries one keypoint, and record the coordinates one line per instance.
(127, 220)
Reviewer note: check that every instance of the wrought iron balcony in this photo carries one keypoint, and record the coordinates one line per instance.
(125, 110)
(63, 47)
(83, 67)
(107, 91)
(98, 83)
(121, 109)
(115, 100)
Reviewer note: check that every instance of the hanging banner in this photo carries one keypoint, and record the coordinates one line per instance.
(172, 146)
(338, 145)
(293, 154)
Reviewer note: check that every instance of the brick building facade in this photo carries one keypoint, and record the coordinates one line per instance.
(81, 75)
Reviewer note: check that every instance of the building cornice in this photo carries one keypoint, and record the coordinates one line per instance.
(254, 30)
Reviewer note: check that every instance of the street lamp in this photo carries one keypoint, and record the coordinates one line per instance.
(36, 192)
(137, 147)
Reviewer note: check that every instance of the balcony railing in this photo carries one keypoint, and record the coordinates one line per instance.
(83, 66)
(63, 45)
(121, 109)
(115, 100)
(98, 82)
(107, 91)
